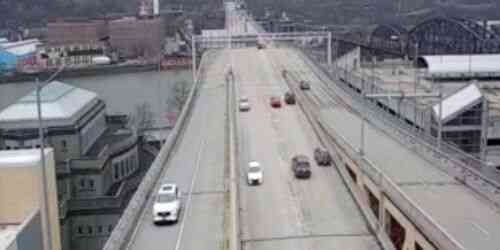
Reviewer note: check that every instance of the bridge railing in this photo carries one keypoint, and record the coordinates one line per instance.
(122, 233)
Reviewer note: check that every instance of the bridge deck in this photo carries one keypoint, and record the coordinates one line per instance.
(200, 155)
(286, 213)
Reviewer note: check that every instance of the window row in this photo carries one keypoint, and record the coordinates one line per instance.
(94, 230)
(125, 167)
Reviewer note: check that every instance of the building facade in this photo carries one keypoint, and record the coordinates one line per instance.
(96, 158)
(76, 32)
(22, 206)
(132, 37)
(71, 55)
(18, 56)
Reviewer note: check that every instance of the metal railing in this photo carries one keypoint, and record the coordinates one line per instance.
(120, 236)
(465, 167)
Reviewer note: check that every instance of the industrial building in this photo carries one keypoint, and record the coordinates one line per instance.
(18, 56)
(135, 37)
(469, 103)
(96, 158)
(23, 217)
(76, 31)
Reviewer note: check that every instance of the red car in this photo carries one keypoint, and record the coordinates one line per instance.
(275, 102)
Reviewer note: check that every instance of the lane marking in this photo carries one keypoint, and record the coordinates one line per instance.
(306, 236)
(190, 195)
(481, 229)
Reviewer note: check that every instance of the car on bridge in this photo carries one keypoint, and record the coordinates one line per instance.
(304, 85)
(275, 102)
(244, 104)
(260, 46)
(255, 175)
(322, 157)
(289, 98)
(301, 166)
(167, 204)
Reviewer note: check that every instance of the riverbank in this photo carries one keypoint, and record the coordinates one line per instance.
(100, 70)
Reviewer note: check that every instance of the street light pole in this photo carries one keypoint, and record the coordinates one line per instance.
(440, 116)
(45, 200)
(329, 50)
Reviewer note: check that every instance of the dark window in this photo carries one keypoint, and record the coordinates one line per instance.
(64, 146)
(115, 166)
(91, 183)
(89, 229)
(110, 228)
(351, 173)
(99, 229)
(80, 230)
(82, 182)
(418, 246)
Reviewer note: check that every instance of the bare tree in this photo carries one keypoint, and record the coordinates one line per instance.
(179, 95)
(142, 118)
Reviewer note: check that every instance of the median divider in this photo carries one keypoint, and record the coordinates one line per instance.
(124, 229)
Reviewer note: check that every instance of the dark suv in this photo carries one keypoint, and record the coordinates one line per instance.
(289, 98)
(322, 157)
(305, 85)
(301, 166)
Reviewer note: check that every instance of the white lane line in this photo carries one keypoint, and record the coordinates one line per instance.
(481, 229)
(190, 196)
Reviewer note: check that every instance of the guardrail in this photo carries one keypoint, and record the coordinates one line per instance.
(464, 167)
(120, 236)
(234, 171)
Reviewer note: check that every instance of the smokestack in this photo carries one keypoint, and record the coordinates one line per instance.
(156, 7)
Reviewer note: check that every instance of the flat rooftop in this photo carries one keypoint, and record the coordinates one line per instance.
(474, 224)
(397, 76)
(21, 158)
(8, 234)
(115, 133)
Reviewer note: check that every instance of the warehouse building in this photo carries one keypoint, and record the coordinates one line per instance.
(81, 31)
(18, 56)
(134, 37)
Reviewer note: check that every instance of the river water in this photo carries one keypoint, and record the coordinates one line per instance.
(122, 93)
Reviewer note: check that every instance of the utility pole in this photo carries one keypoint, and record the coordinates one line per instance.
(440, 116)
(417, 82)
(329, 50)
(193, 56)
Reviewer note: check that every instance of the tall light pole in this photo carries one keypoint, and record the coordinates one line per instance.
(45, 198)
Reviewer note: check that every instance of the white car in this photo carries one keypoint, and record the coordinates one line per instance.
(167, 204)
(255, 174)
(244, 104)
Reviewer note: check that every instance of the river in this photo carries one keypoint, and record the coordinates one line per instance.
(122, 93)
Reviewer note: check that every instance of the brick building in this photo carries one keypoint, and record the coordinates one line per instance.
(132, 37)
(76, 32)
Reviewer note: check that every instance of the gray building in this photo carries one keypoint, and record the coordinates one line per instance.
(97, 159)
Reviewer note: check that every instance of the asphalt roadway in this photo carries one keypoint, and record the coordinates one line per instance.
(283, 212)
(197, 165)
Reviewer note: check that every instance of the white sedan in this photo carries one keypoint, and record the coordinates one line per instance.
(255, 174)
(244, 104)
(167, 204)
